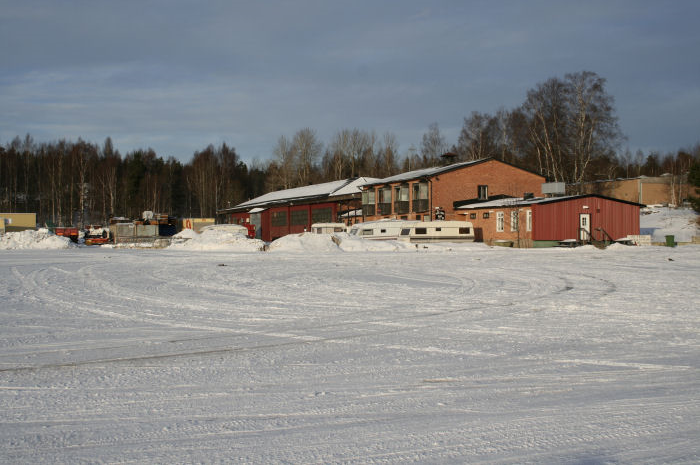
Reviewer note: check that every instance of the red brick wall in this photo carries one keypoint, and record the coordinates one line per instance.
(500, 178)
(485, 229)
(463, 184)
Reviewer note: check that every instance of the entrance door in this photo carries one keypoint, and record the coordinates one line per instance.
(584, 225)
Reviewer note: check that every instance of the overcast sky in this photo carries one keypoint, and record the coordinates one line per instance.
(178, 75)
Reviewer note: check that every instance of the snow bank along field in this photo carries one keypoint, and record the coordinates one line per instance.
(363, 353)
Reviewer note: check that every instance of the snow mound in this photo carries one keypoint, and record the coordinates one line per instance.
(660, 222)
(343, 242)
(215, 239)
(350, 243)
(186, 234)
(304, 242)
(30, 239)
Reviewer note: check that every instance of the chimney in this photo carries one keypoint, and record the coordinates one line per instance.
(448, 158)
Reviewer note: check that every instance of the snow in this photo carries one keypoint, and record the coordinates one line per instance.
(335, 349)
(215, 240)
(31, 239)
(331, 189)
(662, 221)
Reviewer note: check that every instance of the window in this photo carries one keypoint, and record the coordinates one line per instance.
(499, 221)
(321, 215)
(472, 216)
(299, 217)
(420, 197)
(483, 192)
(486, 215)
(401, 201)
(405, 231)
(368, 206)
(514, 219)
(383, 231)
(367, 232)
(421, 230)
(385, 200)
(528, 221)
(465, 230)
(278, 218)
(438, 229)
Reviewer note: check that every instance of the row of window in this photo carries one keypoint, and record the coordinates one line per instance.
(301, 217)
(387, 200)
(514, 220)
(380, 201)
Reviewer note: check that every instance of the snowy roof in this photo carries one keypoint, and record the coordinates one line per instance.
(513, 201)
(327, 189)
(506, 202)
(425, 172)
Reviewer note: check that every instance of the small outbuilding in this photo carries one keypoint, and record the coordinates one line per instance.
(547, 222)
(14, 222)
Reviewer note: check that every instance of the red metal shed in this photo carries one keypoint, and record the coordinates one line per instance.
(294, 219)
(544, 222)
(584, 217)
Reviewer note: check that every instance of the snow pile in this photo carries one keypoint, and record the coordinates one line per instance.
(30, 239)
(659, 222)
(186, 234)
(305, 242)
(324, 243)
(215, 239)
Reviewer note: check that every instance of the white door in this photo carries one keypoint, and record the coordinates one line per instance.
(584, 225)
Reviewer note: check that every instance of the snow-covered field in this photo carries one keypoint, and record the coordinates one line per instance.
(310, 353)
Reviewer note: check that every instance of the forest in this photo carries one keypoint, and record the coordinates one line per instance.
(566, 130)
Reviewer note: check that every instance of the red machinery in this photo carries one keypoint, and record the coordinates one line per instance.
(67, 231)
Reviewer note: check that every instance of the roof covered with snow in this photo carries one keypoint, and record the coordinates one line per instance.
(520, 201)
(343, 187)
(425, 172)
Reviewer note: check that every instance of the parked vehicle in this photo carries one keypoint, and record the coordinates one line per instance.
(70, 232)
(438, 231)
(96, 235)
(381, 229)
(328, 228)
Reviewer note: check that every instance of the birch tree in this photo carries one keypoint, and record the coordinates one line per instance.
(571, 122)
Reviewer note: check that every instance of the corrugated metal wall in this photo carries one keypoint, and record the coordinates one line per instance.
(270, 232)
(560, 220)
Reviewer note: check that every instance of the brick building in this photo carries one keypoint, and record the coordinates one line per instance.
(655, 190)
(437, 192)
(545, 222)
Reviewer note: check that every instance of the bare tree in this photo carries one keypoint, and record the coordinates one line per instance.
(283, 166)
(307, 149)
(433, 145)
(571, 122)
(478, 138)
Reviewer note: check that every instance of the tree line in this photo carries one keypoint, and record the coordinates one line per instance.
(80, 183)
(566, 130)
